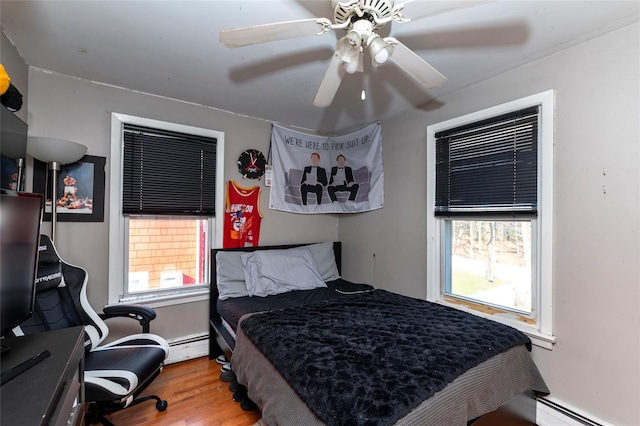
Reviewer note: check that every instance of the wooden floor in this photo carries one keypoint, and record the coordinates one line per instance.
(197, 397)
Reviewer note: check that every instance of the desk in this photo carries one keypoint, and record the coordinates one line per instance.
(51, 392)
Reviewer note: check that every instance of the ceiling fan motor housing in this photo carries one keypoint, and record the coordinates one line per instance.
(343, 11)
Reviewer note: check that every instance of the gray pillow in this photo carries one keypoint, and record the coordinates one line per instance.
(269, 272)
(230, 275)
(325, 260)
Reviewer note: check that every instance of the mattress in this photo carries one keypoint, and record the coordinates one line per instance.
(480, 390)
(400, 351)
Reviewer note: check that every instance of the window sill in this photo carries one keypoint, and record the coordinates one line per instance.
(162, 300)
(538, 338)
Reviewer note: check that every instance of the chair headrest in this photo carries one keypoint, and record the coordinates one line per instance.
(46, 251)
(49, 266)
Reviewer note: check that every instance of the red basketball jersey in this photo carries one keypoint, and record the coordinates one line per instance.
(242, 216)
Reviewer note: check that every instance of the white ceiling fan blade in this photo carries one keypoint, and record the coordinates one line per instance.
(276, 31)
(414, 65)
(416, 9)
(330, 83)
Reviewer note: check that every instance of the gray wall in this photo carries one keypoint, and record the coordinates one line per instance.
(69, 108)
(595, 364)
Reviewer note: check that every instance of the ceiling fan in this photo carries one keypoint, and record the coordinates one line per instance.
(360, 19)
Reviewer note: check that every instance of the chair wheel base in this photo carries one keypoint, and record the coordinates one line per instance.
(161, 405)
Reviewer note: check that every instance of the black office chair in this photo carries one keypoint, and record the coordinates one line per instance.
(116, 373)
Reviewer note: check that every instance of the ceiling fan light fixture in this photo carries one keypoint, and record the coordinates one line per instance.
(348, 48)
(354, 38)
(382, 56)
(355, 66)
(380, 50)
(351, 67)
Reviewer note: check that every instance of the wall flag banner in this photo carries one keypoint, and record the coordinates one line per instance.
(319, 174)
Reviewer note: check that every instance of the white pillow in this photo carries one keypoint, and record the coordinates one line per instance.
(325, 260)
(269, 272)
(230, 275)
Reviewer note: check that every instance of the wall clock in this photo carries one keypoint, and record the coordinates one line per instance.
(251, 164)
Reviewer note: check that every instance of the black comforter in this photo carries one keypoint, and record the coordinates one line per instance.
(378, 354)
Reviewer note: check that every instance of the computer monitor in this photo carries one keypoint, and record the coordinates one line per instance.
(20, 219)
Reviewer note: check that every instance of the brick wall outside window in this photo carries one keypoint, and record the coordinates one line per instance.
(157, 246)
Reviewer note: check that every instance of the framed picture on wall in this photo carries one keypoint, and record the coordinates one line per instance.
(80, 189)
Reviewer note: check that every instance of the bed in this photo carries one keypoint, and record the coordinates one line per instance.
(314, 349)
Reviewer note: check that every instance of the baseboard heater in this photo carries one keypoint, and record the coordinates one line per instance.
(188, 347)
(550, 413)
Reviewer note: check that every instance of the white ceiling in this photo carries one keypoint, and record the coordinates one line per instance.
(172, 49)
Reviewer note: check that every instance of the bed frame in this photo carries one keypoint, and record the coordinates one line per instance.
(221, 342)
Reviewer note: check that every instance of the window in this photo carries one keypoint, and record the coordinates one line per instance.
(166, 252)
(490, 214)
(163, 219)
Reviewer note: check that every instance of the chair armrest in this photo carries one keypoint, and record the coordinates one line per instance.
(143, 314)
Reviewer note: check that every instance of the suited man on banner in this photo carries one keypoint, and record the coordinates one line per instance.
(314, 179)
(342, 180)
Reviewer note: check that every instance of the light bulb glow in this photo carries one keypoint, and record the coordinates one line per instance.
(382, 56)
(363, 96)
(351, 67)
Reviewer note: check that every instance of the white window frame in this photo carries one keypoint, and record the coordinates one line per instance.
(118, 223)
(541, 332)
